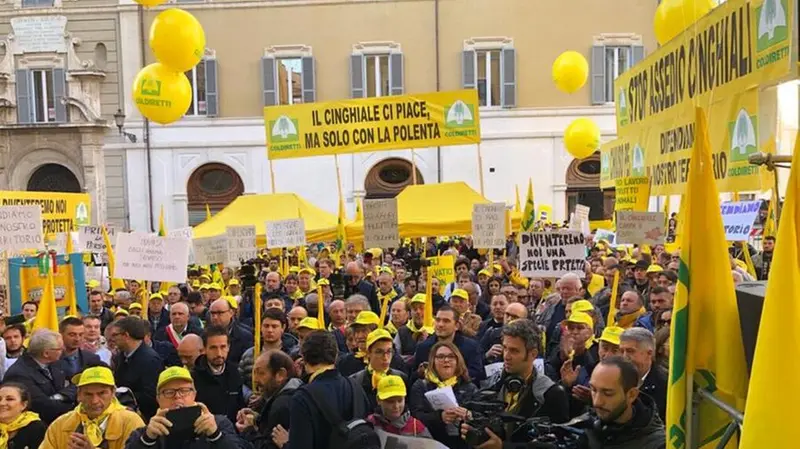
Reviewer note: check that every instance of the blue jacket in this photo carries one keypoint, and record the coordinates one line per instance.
(646, 321)
(469, 348)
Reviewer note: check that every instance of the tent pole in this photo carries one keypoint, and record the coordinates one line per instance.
(480, 168)
(413, 167)
(272, 176)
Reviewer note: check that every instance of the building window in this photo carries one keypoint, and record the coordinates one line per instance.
(487, 68)
(377, 74)
(617, 61)
(215, 185)
(290, 80)
(197, 78)
(43, 99)
(37, 3)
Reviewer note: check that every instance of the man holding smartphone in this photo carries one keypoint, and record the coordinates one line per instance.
(180, 422)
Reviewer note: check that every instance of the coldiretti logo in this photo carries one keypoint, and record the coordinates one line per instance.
(460, 115)
(637, 167)
(81, 215)
(773, 21)
(151, 87)
(284, 130)
(743, 136)
(623, 107)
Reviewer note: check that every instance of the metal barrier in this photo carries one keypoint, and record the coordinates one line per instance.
(734, 427)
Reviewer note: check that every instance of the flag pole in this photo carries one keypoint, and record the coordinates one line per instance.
(272, 176)
(480, 168)
(413, 167)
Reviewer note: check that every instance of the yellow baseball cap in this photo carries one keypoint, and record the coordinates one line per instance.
(581, 318)
(391, 387)
(204, 287)
(323, 281)
(135, 306)
(582, 306)
(233, 281)
(378, 335)
(419, 298)
(308, 270)
(485, 272)
(173, 373)
(654, 269)
(96, 375)
(214, 286)
(497, 267)
(366, 318)
(156, 296)
(122, 312)
(612, 335)
(195, 284)
(460, 293)
(386, 270)
(92, 283)
(309, 323)
(231, 301)
(294, 270)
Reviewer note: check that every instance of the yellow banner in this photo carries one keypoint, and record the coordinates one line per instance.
(32, 284)
(662, 151)
(373, 124)
(632, 194)
(442, 268)
(61, 212)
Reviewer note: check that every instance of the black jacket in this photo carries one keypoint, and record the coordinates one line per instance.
(28, 437)
(493, 336)
(644, 431)
(106, 317)
(275, 411)
(552, 400)
(307, 428)
(239, 339)
(161, 334)
(655, 386)
(348, 364)
(140, 373)
(41, 388)
(422, 410)
(364, 379)
(163, 321)
(167, 352)
(221, 394)
(369, 290)
(85, 358)
(228, 439)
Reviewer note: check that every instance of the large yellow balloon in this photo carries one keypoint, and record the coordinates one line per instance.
(177, 39)
(570, 71)
(582, 138)
(674, 16)
(150, 2)
(161, 94)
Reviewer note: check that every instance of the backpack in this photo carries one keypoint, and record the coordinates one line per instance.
(356, 433)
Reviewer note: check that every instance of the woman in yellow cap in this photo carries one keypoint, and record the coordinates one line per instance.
(19, 427)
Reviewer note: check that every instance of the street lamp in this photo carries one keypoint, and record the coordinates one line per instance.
(119, 120)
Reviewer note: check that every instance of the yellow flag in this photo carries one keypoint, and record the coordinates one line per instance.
(529, 214)
(770, 225)
(320, 307)
(612, 308)
(116, 284)
(706, 343)
(208, 212)
(517, 208)
(47, 316)
(771, 412)
(257, 320)
(427, 319)
(162, 227)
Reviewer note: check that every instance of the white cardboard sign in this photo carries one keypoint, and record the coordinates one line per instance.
(288, 233)
(241, 244)
(210, 250)
(90, 239)
(640, 228)
(489, 225)
(151, 258)
(552, 254)
(187, 233)
(21, 227)
(380, 224)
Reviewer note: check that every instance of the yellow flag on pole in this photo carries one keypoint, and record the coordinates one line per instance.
(47, 314)
(517, 207)
(208, 212)
(529, 213)
(116, 284)
(771, 410)
(706, 347)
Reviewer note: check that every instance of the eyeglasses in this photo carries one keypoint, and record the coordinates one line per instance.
(177, 392)
(443, 357)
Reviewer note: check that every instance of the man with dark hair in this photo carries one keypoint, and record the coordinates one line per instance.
(137, 365)
(763, 260)
(266, 423)
(217, 379)
(239, 337)
(97, 307)
(273, 337)
(14, 336)
(308, 428)
(628, 419)
(447, 328)
(74, 359)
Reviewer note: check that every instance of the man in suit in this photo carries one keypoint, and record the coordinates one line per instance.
(179, 326)
(137, 364)
(51, 393)
(638, 345)
(74, 359)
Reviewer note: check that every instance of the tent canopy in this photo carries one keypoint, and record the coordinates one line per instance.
(433, 210)
(257, 209)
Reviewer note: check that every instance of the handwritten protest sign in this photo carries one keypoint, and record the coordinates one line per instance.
(552, 254)
(21, 227)
(187, 233)
(380, 224)
(640, 228)
(90, 239)
(210, 250)
(489, 225)
(632, 193)
(442, 268)
(289, 233)
(241, 244)
(151, 258)
(738, 219)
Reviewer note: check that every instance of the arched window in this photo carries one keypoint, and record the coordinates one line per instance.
(583, 187)
(53, 178)
(214, 184)
(389, 177)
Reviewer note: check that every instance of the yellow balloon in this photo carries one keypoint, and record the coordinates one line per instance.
(582, 138)
(150, 2)
(161, 94)
(177, 39)
(674, 16)
(570, 71)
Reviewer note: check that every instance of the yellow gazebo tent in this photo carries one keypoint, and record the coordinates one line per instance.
(257, 209)
(433, 210)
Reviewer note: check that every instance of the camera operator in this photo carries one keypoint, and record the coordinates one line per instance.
(524, 392)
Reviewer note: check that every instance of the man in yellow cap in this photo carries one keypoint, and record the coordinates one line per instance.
(575, 356)
(234, 288)
(364, 323)
(214, 292)
(412, 333)
(175, 390)
(98, 421)
(380, 350)
(157, 314)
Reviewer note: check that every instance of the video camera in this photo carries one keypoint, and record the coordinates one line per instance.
(545, 435)
(487, 412)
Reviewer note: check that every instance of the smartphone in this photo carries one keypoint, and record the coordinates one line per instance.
(182, 420)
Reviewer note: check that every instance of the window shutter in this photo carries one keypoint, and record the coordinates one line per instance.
(212, 88)
(268, 81)
(508, 77)
(24, 106)
(598, 70)
(468, 69)
(638, 54)
(357, 76)
(309, 80)
(59, 92)
(396, 74)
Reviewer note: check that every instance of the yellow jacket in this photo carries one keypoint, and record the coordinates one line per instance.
(120, 426)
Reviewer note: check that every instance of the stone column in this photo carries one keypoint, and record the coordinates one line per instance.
(180, 211)
(94, 170)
